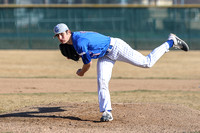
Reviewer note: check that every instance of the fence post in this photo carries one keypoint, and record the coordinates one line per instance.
(29, 31)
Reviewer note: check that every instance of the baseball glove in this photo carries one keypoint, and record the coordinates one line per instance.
(69, 52)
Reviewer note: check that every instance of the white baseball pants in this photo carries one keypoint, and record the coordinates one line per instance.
(121, 51)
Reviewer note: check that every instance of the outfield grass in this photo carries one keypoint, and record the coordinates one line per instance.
(10, 102)
(51, 64)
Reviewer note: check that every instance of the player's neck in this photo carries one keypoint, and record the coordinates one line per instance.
(70, 42)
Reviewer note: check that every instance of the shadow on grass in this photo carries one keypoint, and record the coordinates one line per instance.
(35, 114)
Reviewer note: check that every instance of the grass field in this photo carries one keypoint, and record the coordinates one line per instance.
(11, 102)
(51, 64)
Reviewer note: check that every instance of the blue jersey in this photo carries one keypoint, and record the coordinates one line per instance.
(90, 45)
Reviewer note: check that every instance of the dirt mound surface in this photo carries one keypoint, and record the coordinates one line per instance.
(84, 117)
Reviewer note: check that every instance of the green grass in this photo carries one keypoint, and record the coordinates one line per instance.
(11, 102)
(173, 65)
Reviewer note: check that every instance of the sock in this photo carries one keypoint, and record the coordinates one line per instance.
(171, 43)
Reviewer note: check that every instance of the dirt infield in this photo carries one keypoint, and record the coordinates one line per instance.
(66, 117)
(84, 116)
(45, 85)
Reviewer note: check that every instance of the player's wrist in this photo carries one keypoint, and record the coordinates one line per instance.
(80, 72)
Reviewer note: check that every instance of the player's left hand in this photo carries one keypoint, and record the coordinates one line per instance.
(79, 72)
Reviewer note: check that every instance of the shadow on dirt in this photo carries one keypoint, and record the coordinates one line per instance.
(35, 114)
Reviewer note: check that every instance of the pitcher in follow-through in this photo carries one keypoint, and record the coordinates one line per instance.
(92, 45)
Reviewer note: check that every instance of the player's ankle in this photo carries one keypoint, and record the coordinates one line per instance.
(171, 43)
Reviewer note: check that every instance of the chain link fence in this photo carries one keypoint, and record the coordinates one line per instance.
(142, 27)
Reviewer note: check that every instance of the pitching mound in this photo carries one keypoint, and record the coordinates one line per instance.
(68, 117)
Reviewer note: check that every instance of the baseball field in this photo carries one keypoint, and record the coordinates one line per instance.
(41, 93)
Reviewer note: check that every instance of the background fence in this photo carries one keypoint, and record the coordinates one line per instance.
(143, 27)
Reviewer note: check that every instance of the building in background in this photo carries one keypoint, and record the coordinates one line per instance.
(182, 2)
(142, 2)
(157, 2)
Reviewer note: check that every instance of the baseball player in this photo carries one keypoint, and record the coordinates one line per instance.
(92, 45)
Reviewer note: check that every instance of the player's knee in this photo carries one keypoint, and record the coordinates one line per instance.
(148, 66)
(149, 63)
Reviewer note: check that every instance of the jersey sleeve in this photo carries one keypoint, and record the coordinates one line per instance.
(83, 50)
(86, 58)
(82, 46)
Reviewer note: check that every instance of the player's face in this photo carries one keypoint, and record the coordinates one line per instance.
(64, 37)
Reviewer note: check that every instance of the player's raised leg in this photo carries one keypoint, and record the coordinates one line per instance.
(126, 54)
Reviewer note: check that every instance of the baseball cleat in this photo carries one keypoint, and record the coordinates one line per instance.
(178, 43)
(107, 116)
